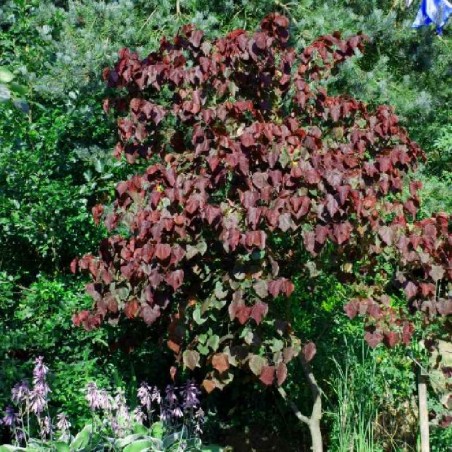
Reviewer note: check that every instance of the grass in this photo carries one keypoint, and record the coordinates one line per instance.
(356, 410)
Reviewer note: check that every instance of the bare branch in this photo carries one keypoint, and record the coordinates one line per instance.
(301, 417)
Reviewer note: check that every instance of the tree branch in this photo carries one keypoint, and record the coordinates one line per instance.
(294, 408)
(315, 389)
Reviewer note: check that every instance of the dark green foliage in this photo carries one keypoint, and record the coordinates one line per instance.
(37, 322)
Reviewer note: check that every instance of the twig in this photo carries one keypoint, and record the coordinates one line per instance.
(147, 20)
(294, 407)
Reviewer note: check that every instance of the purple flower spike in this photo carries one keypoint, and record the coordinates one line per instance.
(122, 411)
(63, 424)
(20, 392)
(104, 400)
(199, 417)
(92, 395)
(40, 371)
(144, 395)
(177, 412)
(170, 396)
(38, 395)
(190, 393)
(139, 415)
(46, 426)
(165, 415)
(155, 396)
(10, 417)
(42, 388)
(97, 398)
(115, 426)
(38, 401)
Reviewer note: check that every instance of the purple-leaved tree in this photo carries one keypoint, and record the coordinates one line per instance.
(255, 171)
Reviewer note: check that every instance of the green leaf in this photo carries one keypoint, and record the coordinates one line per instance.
(276, 345)
(212, 448)
(220, 293)
(261, 288)
(61, 447)
(123, 442)
(9, 448)
(203, 349)
(171, 439)
(284, 158)
(197, 316)
(192, 251)
(21, 90)
(122, 292)
(202, 247)
(140, 428)
(36, 445)
(99, 165)
(21, 105)
(213, 342)
(82, 438)
(143, 445)
(5, 93)
(256, 363)
(257, 254)
(157, 430)
(5, 75)
(191, 359)
(202, 338)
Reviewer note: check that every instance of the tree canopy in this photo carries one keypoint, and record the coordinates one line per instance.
(257, 175)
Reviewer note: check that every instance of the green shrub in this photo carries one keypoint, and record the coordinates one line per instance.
(39, 323)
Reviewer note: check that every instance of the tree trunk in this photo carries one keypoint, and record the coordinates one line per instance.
(316, 435)
(313, 422)
(316, 415)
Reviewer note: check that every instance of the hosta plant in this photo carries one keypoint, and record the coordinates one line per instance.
(161, 422)
(256, 176)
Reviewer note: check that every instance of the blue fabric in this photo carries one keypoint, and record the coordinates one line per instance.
(433, 11)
